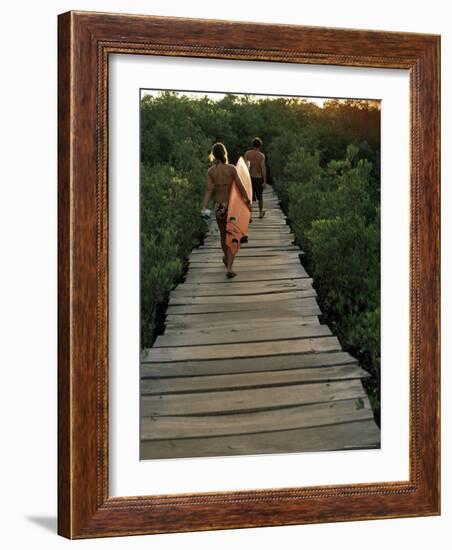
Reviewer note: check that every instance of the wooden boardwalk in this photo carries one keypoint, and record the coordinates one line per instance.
(244, 366)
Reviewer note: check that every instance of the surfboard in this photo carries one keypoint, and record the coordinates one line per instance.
(238, 212)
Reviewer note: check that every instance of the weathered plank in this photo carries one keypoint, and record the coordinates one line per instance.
(204, 336)
(267, 231)
(260, 263)
(307, 305)
(264, 251)
(246, 318)
(362, 434)
(272, 215)
(282, 253)
(183, 299)
(262, 234)
(251, 244)
(242, 288)
(271, 223)
(249, 400)
(229, 351)
(243, 276)
(161, 386)
(219, 320)
(305, 416)
(270, 241)
(249, 256)
(236, 289)
(275, 268)
(151, 368)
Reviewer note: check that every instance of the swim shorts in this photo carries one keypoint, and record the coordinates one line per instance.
(258, 187)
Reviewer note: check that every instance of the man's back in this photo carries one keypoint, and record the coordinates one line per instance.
(256, 160)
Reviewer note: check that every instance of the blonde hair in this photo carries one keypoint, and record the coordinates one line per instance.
(219, 152)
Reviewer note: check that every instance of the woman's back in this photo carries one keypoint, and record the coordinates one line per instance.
(222, 176)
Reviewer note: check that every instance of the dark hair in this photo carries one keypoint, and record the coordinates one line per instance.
(257, 142)
(219, 152)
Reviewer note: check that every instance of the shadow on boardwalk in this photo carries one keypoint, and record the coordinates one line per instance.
(244, 366)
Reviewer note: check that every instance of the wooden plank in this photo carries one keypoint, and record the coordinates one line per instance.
(307, 305)
(242, 319)
(243, 276)
(251, 244)
(217, 320)
(278, 230)
(262, 272)
(294, 269)
(306, 416)
(362, 434)
(274, 222)
(183, 299)
(270, 233)
(229, 351)
(274, 261)
(264, 262)
(302, 283)
(263, 241)
(278, 258)
(291, 271)
(179, 299)
(241, 365)
(264, 251)
(282, 231)
(204, 336)
(272, 212)
(249, 400)
(249, 255)
(188, 384)
(282, 252)
(236, 289)
(217, 266)
(246, 318)
(271, 218)
(255, 246)
(258, 233)
(264, 232)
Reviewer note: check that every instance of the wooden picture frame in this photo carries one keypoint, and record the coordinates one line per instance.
(85, 42)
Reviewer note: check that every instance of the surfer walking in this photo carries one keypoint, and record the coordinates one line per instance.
(220, 177)
(255, 160)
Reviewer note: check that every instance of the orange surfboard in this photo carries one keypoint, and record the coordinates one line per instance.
(238, 212)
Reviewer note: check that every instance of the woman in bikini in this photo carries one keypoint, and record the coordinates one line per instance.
(220, 177)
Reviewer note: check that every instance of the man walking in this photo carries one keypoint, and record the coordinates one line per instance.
(255, 160)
